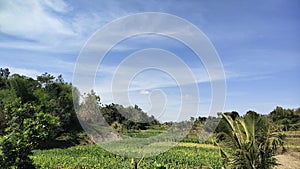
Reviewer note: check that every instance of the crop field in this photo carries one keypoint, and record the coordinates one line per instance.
(293, 140)
(185, 155)
(145, 133)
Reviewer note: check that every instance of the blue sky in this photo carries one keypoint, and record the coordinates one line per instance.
(258, 43)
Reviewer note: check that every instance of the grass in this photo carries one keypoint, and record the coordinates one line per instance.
(205, 146)
(149, 132)
(144, 133)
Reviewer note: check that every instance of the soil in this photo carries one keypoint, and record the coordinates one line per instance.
(288, 160)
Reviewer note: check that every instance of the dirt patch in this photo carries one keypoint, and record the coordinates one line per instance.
(289, 160)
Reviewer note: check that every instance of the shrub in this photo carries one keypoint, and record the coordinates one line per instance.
(27, 127)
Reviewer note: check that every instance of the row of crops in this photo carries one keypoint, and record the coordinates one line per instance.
(93, 156)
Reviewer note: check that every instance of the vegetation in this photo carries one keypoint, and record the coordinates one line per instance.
(27, 127)
(285, 119)
(252, 141)
(93, 156)
(123, 119)
(37, 114)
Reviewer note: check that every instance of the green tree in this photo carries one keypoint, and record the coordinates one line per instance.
(251, 140)
(55, 97)
(27, 127)
(23, 87)
(7, 96)
(285, 119)
(4, 73)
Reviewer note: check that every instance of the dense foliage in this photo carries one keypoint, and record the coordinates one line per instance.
(27, 127)
(50, 94)
(54, 96)
(285, 119)
(253, 143)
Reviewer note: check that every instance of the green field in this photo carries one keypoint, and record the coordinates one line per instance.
(186, 155)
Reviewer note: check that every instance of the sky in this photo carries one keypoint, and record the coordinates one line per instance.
(258, 44)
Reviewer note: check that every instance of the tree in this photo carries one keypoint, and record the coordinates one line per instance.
(250, 139)
(89, 110)
(55, 97)
(285, 119)
(23, 87)
(45, 79)
(4, 73)
(27, 127)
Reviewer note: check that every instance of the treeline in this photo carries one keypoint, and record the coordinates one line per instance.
(280, 119)
(117, 116)
(47, 93)
(285, 119)
(91, 112)
(54, 96)
(35, 112)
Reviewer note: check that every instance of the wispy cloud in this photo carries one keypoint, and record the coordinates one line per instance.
(30, 19)
(47, 26)
(58, 6)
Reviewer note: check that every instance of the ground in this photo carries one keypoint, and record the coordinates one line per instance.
(289, 160)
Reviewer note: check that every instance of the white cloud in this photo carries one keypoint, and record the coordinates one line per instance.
(41, 26)
(47, 25)
(29, 19)
(144, 92)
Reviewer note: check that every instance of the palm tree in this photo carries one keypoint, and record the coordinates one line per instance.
(248, 142)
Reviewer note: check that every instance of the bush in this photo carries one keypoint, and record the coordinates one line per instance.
(28, 126)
